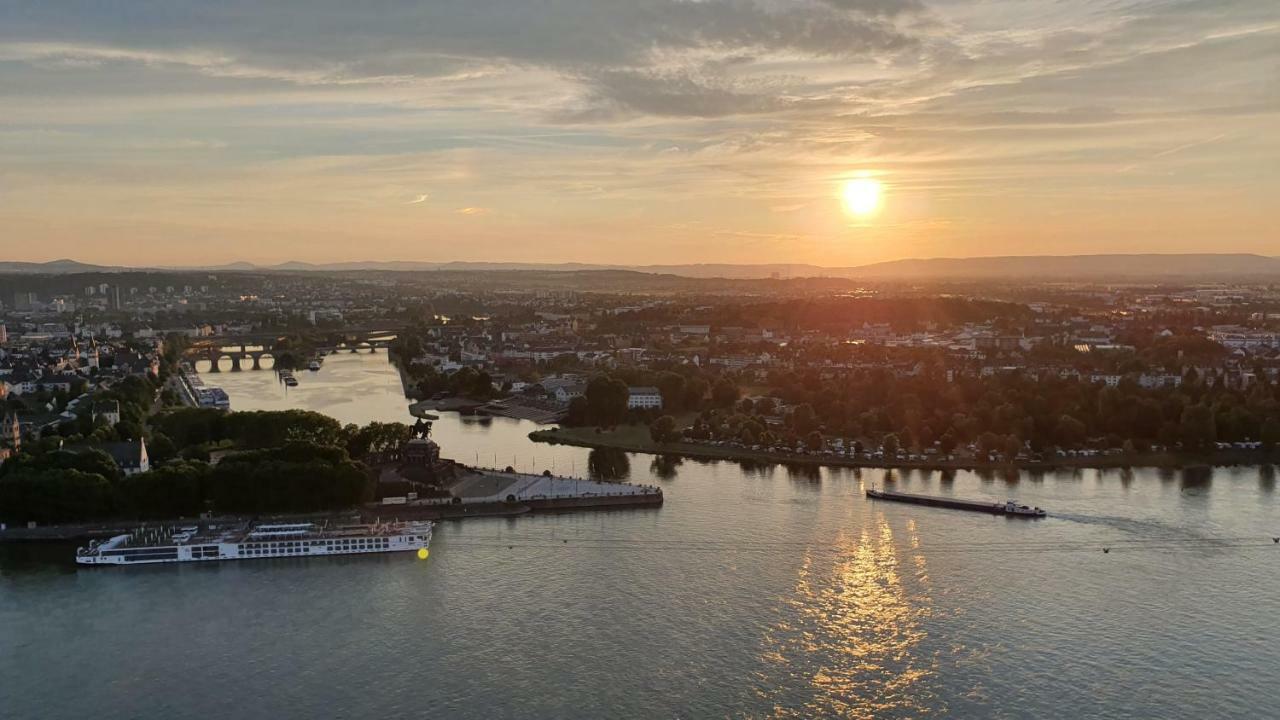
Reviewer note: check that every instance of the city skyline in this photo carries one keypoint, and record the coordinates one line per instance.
(835, 133)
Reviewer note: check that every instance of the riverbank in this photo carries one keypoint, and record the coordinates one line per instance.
(635, 438)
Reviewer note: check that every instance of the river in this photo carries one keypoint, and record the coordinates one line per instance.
(753, 592)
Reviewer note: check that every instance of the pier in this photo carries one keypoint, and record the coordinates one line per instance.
(484, 492)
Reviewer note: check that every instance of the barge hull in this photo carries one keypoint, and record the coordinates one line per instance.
(942, 502)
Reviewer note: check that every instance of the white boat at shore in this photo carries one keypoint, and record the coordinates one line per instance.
(241, 541)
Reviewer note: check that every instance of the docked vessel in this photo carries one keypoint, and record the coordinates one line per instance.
(1008, 507)
(247, 540)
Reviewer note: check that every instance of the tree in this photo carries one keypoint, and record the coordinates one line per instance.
(988, 443)
(663, 429)
(1197, 425)
(607, 400)
(1270, 433)
(890, 445)
(376, 437)
(803, 419)
(724, 393)
(947, 443)
(175, 489)
(54, 495)
(1069, 431)
(814, 441)
(579, 412)
(160, 448)
(672, 387)
(695, 391)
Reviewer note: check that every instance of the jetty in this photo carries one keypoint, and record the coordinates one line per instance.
(481, 492)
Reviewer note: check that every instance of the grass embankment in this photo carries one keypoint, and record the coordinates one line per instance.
(636, 438)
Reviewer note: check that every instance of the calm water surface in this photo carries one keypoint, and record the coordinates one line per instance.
(754, 592)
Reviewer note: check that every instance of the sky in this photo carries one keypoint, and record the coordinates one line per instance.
(635, 131)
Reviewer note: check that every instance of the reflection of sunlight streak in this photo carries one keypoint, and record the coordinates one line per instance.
(850, 634)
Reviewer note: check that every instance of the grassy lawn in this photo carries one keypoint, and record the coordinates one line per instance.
(628, 436)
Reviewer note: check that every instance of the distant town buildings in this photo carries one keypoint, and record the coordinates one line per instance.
(644, 398)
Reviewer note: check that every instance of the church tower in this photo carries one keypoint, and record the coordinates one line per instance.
(11, 433)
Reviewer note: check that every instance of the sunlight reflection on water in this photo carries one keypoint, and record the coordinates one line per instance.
(851, 634)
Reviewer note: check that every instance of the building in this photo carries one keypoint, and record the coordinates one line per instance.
(564, 389)
(108, 410)
(130, 455)
(644, 398)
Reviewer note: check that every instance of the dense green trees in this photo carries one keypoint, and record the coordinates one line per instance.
(299, 477)
(178, 489)
(1017, 410)
(663, 429)
(606, 400)
(376, 437)
(465, 382)
(54, 495)
(289, 461)
(259, 428)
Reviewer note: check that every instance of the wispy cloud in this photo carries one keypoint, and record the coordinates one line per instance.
(649, 130)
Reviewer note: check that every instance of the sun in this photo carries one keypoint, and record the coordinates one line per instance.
(861, 196)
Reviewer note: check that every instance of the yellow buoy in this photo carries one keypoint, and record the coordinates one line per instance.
(422, 553)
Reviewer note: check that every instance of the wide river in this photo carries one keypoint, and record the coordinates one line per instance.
(753, 592)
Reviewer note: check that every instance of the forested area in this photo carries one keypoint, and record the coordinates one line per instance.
(1003, 415)
(287, 461)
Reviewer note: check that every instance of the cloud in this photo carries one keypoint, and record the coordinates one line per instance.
(618, 118)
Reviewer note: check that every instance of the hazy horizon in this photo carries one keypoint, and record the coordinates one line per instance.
(825, 132)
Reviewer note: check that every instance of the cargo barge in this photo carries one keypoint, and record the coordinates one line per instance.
(1009, 507)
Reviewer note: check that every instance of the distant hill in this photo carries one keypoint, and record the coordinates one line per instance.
(1136, 266)
(1074, 267)
(55, 267)
(1041, 267)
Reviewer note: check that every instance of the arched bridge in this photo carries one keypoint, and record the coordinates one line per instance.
(250, 348)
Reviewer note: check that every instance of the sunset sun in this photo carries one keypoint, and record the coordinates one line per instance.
(861, 196)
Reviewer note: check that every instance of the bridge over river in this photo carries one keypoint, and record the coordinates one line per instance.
(248, 350)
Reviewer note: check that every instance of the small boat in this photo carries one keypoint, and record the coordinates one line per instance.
(1009, 507)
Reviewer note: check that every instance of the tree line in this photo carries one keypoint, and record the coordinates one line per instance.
(1001, 414)
(278, 461)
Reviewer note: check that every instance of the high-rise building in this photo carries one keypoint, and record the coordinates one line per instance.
(4, 334)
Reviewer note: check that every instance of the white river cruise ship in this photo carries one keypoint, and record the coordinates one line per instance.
(246, 540)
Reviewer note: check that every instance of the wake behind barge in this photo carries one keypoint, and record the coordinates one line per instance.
(1006, 508)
